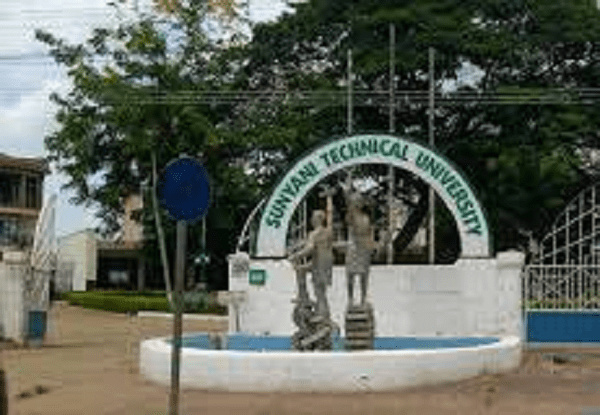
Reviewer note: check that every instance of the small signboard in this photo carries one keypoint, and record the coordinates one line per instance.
(183, 189)
(257, 276)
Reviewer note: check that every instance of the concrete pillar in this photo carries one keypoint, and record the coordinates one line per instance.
(239, 266)
(12, 277)
(38, 191)
(510, 265)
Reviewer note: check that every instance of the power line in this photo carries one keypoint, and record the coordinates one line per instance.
(580, 96)
(132, 7)
(101, 12)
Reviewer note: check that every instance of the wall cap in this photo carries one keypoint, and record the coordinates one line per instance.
(510, 259)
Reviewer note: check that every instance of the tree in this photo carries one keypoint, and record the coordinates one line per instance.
(118, 114)
(524, 160)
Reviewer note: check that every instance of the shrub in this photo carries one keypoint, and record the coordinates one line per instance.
(117, 302)
(122, 302)
(195, 302)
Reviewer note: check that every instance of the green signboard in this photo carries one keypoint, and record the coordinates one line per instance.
(257, 276)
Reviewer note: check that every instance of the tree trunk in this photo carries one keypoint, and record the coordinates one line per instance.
(161, 237)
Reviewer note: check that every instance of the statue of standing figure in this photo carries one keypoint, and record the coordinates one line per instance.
(361, 245)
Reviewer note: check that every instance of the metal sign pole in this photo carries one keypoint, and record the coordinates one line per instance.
(392, 118)
(185, 193)
(177, 324)
(350, 104)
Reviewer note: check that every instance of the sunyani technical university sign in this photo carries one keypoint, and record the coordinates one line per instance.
(430, 166)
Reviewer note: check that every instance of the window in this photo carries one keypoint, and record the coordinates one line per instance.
(118, 277)
(8, 231)
(9, 189)
(33, 190)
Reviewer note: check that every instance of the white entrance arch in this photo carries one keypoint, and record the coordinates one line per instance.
(424, 162)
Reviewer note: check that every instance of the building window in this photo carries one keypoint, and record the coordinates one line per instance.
(9, 190)
(118, 277)
(33, 191)
(9, 231)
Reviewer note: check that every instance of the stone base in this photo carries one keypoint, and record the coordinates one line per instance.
(360, 327)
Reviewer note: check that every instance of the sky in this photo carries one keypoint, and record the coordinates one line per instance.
(28, 76)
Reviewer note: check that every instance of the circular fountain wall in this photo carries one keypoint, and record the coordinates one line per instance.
(245, 363)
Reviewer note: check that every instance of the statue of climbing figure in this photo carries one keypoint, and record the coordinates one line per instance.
(319, 248)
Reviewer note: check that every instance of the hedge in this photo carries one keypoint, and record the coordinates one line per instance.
(122, 302)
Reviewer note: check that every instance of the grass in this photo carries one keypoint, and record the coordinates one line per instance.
(131, 301)
(562, 304)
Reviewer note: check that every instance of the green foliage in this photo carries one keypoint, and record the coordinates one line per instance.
(117, 303)
(124, 301)
(524, 160)
(115, 117)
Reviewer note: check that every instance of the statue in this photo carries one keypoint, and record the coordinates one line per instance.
(316, 257)
(313, 318)
(360, 245)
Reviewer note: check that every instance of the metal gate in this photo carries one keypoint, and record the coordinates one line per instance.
(561, 285)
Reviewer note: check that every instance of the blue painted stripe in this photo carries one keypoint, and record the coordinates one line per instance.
(242, 341)
(563, 327)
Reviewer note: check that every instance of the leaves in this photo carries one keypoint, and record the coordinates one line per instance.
(114, 117)
(524, 160)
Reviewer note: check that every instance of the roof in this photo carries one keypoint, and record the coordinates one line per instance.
(36, 164)
(103, 244)
(88, 231)
(118, 245)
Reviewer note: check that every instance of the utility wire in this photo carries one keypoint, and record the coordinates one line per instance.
(25, 15)
(403, 98)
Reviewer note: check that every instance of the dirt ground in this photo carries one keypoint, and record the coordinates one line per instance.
(89, 366)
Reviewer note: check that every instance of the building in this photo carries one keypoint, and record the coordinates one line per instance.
(87, 262)
(21, 183)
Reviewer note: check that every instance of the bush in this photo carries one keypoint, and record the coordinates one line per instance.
(130, 293)
(117, 302)
(195, 302)
(122, 302)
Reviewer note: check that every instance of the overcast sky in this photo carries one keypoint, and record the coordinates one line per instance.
(28, 76)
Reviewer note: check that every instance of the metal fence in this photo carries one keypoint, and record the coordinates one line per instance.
(575, 287)
(561, 287)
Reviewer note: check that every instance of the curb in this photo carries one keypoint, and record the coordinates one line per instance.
(201, 317)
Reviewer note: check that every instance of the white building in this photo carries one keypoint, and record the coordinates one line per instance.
(87, 262)
(21, 198)
(77, 261)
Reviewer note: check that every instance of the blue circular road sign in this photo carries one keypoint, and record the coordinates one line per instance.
(183, 189)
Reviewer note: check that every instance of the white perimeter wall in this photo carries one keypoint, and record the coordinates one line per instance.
(470, 297)
(12, 313)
